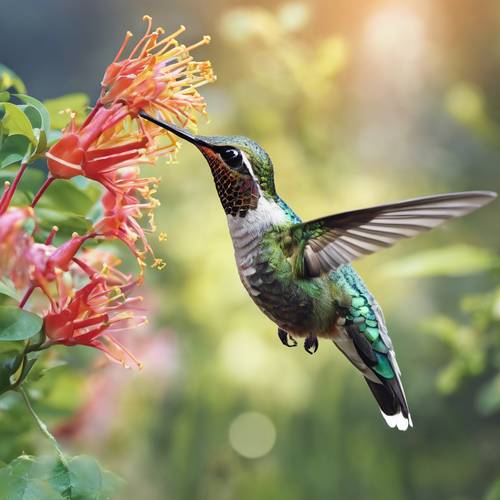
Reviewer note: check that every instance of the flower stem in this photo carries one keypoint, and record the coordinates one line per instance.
(43, 428)
(42, 190)
(26, 296)
(7, 198)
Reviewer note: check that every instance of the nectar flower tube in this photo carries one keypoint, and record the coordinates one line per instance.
(92, 315)
(158, 76)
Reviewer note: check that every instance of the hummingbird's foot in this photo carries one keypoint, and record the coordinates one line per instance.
(311, 344)
(286, 339)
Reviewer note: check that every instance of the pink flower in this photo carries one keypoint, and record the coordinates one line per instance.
(158, 75)
(92, 315)
(15, 244)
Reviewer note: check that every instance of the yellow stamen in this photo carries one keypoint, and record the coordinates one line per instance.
(127, 38)
(158, 264)
(146, 36)
(204, 41)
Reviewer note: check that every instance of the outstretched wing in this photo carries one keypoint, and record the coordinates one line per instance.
(325, 244)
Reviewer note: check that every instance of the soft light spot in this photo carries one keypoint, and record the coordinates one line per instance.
(252, 434)
(294, 16)
(465, 103)
(395, 41)
(394, 29)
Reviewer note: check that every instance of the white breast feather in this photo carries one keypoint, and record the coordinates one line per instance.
(247, 232)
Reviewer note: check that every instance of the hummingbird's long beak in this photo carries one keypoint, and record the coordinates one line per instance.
(179, 132)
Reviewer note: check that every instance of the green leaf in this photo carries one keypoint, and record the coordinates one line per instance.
(489, 397)
(57, 107)
(16, 346)
(66, 196)
(83, 478)
(15, 121)
(43, 478)
(40, 108)
(9, 363)
(9, 80)
(67, 222)
(4, 96)
(41, 121)
(8, 288)
(25, 478)
(14, 149)
(455, 260)
(33, 115)
(44, 369)
(16, 324)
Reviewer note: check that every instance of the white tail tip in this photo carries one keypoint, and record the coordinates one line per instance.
(398, 420)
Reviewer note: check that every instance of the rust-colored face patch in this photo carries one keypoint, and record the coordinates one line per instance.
(237, 191)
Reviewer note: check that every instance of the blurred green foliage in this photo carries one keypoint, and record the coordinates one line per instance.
(350, 118)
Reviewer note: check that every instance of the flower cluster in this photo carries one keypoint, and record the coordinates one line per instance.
(158, 76)
(81, 294)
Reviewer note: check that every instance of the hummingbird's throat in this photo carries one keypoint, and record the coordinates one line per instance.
(238, 192)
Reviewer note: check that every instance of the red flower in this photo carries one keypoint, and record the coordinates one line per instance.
(158, 75)
(123, 211)
(15, 244)
(98, 148)
(87, 294)
(92, 315)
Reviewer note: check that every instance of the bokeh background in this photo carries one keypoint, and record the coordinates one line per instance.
(358, 102)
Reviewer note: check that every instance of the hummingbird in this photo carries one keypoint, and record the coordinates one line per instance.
(299, 273)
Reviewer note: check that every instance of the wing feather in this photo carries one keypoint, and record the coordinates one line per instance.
(341, 238)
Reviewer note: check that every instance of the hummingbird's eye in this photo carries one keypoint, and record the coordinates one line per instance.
(232, 157)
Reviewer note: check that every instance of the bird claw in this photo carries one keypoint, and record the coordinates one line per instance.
(311, 344)
(286, 339)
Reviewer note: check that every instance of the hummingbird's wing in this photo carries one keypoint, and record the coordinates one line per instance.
(327, 243)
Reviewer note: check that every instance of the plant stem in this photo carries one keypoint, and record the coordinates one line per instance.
(42, 190)
(43, 427)
(26, 296)
(18, 382)
(10, 193)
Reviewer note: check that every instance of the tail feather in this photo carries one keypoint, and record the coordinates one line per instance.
(392, 403)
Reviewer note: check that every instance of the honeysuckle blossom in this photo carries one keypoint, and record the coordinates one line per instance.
(92, 315)
(159, 75)
(82, 296)
(97, 148)
(14, 244)
(120, 219)
(45, 262)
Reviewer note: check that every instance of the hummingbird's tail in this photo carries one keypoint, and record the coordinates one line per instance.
(387, 390)
(391, 399)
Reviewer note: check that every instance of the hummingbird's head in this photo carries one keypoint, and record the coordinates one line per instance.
(242, 170)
